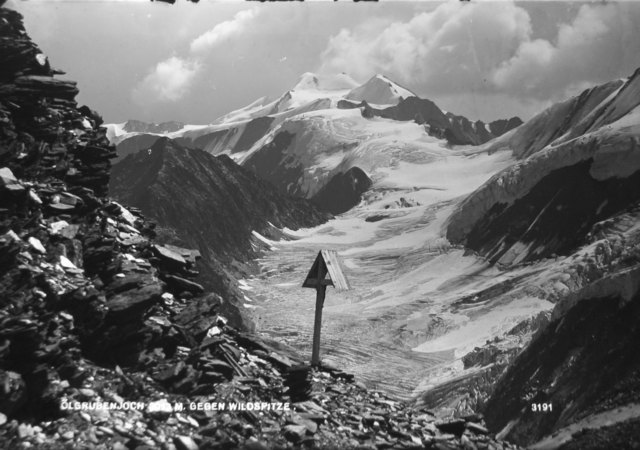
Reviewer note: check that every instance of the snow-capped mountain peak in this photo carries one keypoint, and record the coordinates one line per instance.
(313, 81)
(380, 90)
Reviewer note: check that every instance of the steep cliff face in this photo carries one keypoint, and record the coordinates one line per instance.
(343, 191)
(462, 131)
(502, 126)
(211, 202)
(234, 139)
(268, 164)
(611, 105)
(554, 217)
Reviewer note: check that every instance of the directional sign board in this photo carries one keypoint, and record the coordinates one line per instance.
(327, 268)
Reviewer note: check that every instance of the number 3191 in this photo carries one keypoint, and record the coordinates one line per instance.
(542, 407)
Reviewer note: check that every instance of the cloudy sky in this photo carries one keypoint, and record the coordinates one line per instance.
(195, 62)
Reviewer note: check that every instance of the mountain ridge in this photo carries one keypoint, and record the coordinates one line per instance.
(602, 141)
(245, 129)
(213, 204)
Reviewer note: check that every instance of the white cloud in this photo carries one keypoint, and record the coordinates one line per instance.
(600, 38)
(456, 43)
(170, 80)
(223, 31)
(489, 47)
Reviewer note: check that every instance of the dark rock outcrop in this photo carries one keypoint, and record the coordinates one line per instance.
(267, 162)
(343, 191)
(134, 144)
(502, 126)
(31, 98)
(409, 108)
(219, 139)
(554, 217)
(457, 130)
(253, 131)
(462, 131)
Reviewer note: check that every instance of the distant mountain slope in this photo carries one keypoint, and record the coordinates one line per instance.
(565, 120)
(307, 151)
(213, 203)
(588, 170)
(309, 88)
(134, 144)
(254, 126)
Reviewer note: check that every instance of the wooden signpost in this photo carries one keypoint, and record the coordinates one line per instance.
(325, 271)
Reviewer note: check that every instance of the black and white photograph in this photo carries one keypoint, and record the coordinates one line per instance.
(319, 224)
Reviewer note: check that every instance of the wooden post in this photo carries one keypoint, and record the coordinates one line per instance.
(315, 356)
(324, 271)
(317, 323)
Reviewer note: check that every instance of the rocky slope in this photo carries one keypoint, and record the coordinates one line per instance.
(584, 365)
(558, 123)
(212, 203)
(105, 339)
(547, 203)
(581, 357)
(572, 203)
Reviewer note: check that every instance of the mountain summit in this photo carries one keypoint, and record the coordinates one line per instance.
(379, 90)
(312, 81)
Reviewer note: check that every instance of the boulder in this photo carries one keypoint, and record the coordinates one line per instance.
(200, 315)
(294, 433)
(185, 443)
(132, 303)
(169, 256)
(6, 177)
(179, 284)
